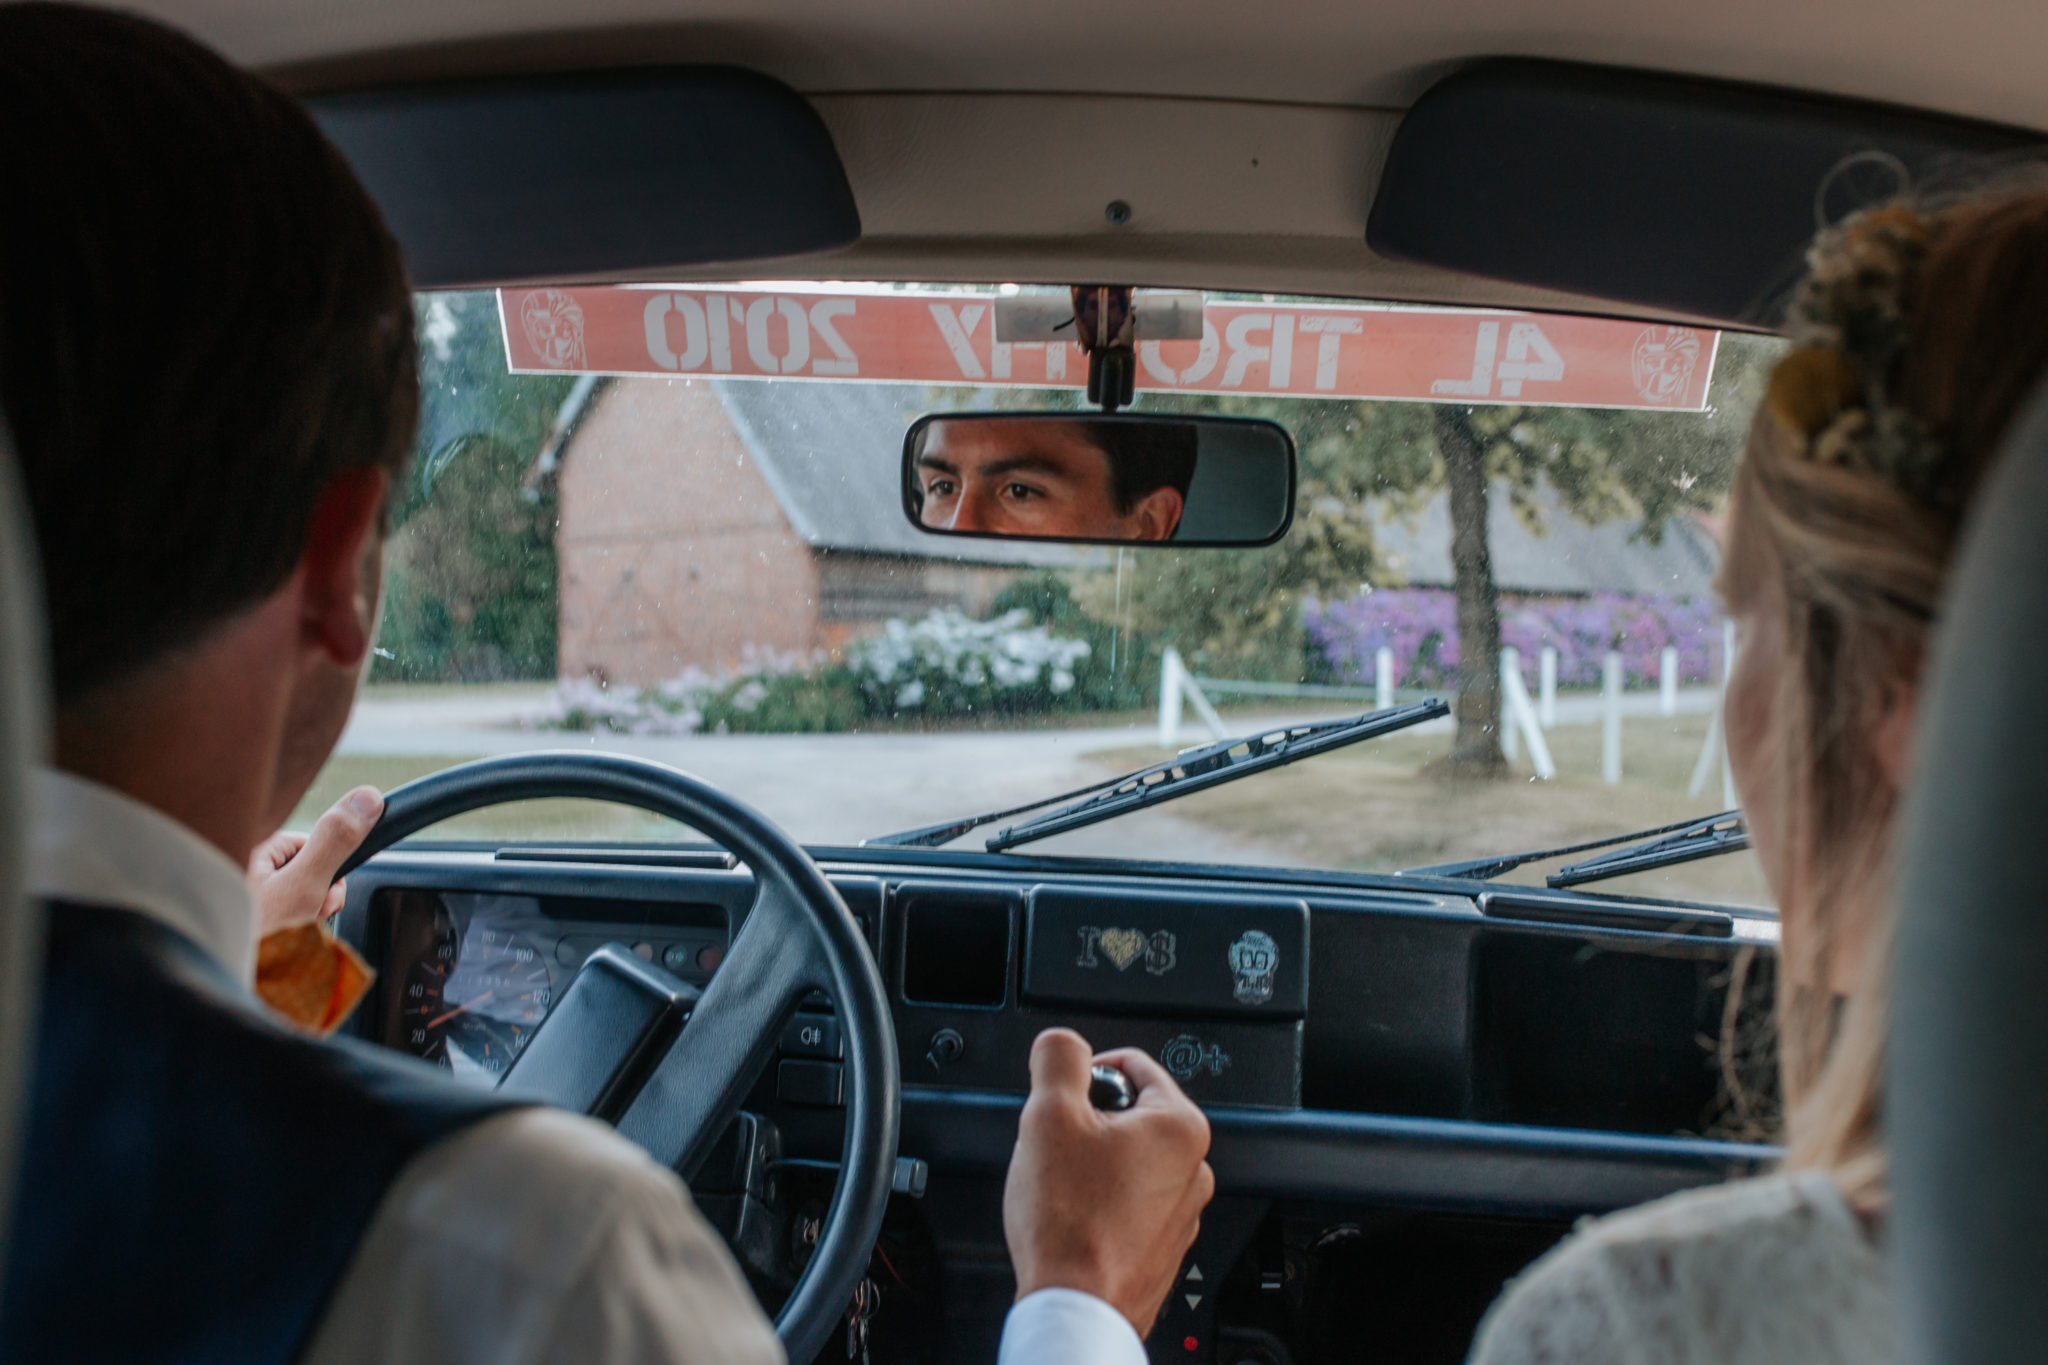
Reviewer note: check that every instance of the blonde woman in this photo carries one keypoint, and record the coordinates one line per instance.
(1915, 338)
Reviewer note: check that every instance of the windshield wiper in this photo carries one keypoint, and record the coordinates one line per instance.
(1192, 770)
(1680, 843)
(1708, 838)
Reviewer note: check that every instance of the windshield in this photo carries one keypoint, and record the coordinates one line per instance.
(669, 523)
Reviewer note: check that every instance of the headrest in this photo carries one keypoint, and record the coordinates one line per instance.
(22, 735)
(1967, 1108)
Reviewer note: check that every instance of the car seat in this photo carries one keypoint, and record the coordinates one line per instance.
(1967, 1104)
(22, 737)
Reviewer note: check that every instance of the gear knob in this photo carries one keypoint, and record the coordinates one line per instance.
(1109, 1089)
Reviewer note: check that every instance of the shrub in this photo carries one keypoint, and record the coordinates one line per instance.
(949, 665)
(943, 665)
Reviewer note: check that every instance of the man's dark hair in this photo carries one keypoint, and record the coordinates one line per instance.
(1144, 456)
(203, 321)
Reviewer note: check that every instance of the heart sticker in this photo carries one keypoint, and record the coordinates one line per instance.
(1122, 946)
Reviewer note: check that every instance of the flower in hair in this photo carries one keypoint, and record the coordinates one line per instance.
(1810, 386)
(1849, 329)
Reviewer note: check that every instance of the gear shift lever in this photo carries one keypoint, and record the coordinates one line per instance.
(1109, 1089)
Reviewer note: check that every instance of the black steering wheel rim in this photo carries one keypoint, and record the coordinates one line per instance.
(792, 893)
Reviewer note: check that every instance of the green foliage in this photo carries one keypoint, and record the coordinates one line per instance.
(1121, 671)
(472, 588)
(1649, 467)
(828, 701)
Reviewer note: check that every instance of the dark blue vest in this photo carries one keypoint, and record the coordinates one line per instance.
(195, 1176)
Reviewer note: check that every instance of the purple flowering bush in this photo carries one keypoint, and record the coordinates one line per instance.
(1420, 627)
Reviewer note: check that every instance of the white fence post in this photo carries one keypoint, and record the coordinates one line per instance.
(1546, 684)
(1170, 674)
(1510, 668)
(1728, 801)
(1710, 753)
(1667, 681)
(1715, 749)
(1199, 699)
(1610, 719)
(1177, 685)
(1518, 717)
(1382, 678)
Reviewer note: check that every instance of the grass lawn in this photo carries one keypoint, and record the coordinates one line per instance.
(1373, 808)
(536, 692)
(552, 819)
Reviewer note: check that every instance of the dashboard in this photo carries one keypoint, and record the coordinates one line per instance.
(1414, 1088)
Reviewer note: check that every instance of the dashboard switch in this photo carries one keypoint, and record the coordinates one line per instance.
(945, 1048)
(814, 1083)
(813, 1035)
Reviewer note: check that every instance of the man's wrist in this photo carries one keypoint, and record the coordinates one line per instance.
(1063, 1326)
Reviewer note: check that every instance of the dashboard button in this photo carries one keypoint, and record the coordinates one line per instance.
(814, 1083)
(812, 1035)
(676, 957)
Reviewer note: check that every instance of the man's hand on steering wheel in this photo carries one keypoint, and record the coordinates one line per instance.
(291, 875)
(1107, 1203)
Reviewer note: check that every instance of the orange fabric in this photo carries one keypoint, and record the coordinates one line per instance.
(311, 977)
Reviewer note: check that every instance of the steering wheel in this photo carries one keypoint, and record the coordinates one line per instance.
(797, 936)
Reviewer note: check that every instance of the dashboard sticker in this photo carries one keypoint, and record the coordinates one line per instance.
(1187, 1057)
(1253, 960)
(1124, 946)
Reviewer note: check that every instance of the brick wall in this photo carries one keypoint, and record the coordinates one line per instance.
(672, 549)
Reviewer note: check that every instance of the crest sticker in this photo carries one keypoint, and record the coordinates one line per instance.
(1662, 364)
(553, 322)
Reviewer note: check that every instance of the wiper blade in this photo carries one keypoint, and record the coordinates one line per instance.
(1191, 770)
(1486, 869)
(1708, 838)
(1214, 764)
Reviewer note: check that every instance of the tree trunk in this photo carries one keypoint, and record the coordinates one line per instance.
(1476, 750)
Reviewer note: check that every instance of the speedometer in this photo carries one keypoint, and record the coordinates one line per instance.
(471, 1002)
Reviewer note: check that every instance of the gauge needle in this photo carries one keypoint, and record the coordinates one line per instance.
(470, 1005)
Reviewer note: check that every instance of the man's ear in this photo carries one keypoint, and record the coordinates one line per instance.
(1157, 514)
(339, 569)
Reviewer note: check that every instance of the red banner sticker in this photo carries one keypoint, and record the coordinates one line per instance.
(1426, 355)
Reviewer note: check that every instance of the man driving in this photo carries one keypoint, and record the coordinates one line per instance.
(207, 359)
(1021, 476)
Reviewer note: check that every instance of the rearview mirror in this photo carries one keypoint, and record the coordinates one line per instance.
(1080, 476)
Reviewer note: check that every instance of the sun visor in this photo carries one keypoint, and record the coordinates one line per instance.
(568, 177)
(1687, 195)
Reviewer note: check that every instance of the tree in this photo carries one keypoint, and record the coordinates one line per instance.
(1476, 751)
(1602, 464)
(472, 586)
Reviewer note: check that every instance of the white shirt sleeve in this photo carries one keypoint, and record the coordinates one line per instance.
(1068, 1327)
(541, 1238)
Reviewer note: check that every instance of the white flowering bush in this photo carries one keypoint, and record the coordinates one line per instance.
(946, 664)
(586, 704)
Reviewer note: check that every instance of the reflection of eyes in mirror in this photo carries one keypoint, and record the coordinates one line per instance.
(1123, 478)
(1058, 479)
